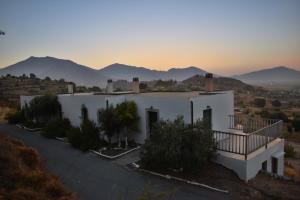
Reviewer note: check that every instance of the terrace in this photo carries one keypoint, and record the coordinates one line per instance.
(247, 135)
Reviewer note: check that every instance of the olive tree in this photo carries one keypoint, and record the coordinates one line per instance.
(176, 145)
(129, 119)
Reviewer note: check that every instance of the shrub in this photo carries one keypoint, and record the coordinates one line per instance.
(276, 103)
(29, 156)
(178, 146)
(44, 108)
(109, 121)
(85, 138)
(296, 124)
(15, 117)
(57, 128)
(260, 102)
(289, 151)
(74, 136)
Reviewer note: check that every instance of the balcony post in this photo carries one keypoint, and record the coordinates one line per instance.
(246, 146)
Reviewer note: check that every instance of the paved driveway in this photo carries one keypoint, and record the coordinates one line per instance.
(93, 178)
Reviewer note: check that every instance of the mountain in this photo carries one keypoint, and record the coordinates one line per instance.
(120, 71)
(271, 76)
(57, 69)
(223, 83)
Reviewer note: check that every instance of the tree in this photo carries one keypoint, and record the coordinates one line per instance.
(48, 78)
(276, 103)
(32, 75)
(44, 108)
(86, 137)
(260, 102)
(127, 112)
(176, 145)
(109, 122)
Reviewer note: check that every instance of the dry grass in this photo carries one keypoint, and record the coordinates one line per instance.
(23, 176)
(3, 111)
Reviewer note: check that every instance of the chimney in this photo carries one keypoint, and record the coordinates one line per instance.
(136, 85)
(109, 86)
(70, 88)
(209, 84)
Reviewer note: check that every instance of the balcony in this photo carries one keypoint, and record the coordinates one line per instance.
(247, 135)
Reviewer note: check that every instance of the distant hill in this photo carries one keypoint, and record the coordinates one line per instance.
(272, 76)
(120, 71)
(222, 83)
(57, 69)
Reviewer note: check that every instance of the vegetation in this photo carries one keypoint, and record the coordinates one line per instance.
(289, 151)
(86, 137)
(44, 108)
(260, 102)
(23, 176)
(273, 115)
(276, 103)
(15, 117)
(124, 117)
(57, 128)
(109, 122)
(178, 146)
(127, 113)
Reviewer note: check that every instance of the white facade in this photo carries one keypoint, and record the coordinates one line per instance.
(169, 105)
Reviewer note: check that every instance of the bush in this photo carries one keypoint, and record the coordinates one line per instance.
(85, 138)
(74, 136)
(44, 108)
(289, 151)
(178, 146)
(15, 117)
(276, 103)
(296, 124)
(260, 102)
(57, 128)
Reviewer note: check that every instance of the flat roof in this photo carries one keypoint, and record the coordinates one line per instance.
(153, 93)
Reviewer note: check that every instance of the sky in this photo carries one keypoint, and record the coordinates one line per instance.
(221, 36)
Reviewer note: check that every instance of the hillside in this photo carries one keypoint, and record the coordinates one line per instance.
(23, 175)
(56, 69)
(222, 83)
(12, 87)
(125, 72)
(272, 76)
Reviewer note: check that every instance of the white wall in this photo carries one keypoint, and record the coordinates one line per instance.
(169, 108)
(222, 105)
(248, 169)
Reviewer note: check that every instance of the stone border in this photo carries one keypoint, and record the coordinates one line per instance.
(28, 129)
(116, 156)
(166, 176)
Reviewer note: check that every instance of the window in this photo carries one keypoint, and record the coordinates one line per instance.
(84, 113)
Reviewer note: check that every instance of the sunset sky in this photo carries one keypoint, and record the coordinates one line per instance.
(221, 36)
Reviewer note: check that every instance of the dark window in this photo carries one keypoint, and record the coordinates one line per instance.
(152, 118)
(274, 165)
(207, 116)
(264, 166)
(84, 113)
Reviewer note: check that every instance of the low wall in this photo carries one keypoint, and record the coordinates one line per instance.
(248, 169)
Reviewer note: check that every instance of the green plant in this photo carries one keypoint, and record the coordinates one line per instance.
(109, 122)
(57, 128)
(289, 151)
(44, 108)
(15, 117)
(259, 102)
(86, 137)
(178, 146)
(127, 112)
(74, 136)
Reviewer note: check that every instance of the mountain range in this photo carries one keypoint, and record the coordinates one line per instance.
(82, 75)
(271, 76)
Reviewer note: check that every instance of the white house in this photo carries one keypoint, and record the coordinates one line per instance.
(244, 145)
